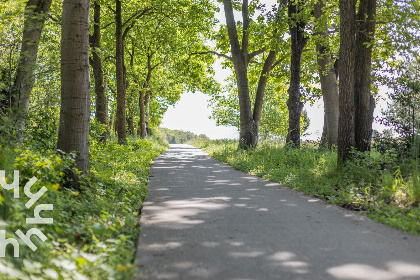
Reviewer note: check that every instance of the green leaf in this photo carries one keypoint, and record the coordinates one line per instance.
(99, 229)
(130, 220)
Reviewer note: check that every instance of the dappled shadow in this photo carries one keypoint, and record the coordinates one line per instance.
(205, 220)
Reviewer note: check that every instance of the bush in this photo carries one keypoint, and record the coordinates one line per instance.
(95, 229)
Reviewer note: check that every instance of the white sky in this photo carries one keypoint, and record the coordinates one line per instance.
(192, 114)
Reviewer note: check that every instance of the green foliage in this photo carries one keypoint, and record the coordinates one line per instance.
(95, 229)
(403, 113)
(374, 184)
(173, 136)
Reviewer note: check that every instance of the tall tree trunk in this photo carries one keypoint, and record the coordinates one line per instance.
(328, 80)
(121, 86)
(35, 15)
(143, 92)
(259, 97)
(142, 115)
(324, 137)
(249, 119)
(147, 110)
(248, 135)
(130, 123)
(364, 101)
(346, 84)
(73, 134)
(297, 34)
(101, 104)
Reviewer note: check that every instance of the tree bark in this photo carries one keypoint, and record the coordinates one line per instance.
(364, 101)
(147, 110)
(324, 137)
(73, 134)
(297, 34)
(121, 87)
(130, 123)
(346, 84)
(248, 136)
(101, 104)
(142, 115)
(328, 81)
(142, 96)
(259, 98)
(35, 15)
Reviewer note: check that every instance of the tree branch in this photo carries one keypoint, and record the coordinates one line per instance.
(259, 98)
(112, 10)
(231, 27)
(212, 52)
(253, 54)
(245, 31)
(279, 61)
(137, 15)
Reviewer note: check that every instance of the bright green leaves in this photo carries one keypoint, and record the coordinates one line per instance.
(94, 227)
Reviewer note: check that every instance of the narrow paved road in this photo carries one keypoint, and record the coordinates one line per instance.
(204, 220)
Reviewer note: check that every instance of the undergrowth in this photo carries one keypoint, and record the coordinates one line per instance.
(94, 230)
(375, 184)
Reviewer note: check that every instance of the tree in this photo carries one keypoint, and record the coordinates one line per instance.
(241, 57)
(364, 101)
(403, 112)
(120, 76)
(101, 113)
(327, 76)
(73, 134)
(297, 25)
(161, 44)
(356, 101)
(35, 15)
(274, 117)
(346, 86)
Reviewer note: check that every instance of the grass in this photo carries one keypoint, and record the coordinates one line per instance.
(95, 229)
(376, 185)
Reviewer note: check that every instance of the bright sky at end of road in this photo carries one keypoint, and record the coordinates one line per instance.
(192, 114)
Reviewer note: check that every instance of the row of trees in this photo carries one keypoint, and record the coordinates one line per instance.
(140, 54)
(357, 44)
(144, 54)
(174, 136)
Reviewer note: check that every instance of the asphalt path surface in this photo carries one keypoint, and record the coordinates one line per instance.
(205, 220)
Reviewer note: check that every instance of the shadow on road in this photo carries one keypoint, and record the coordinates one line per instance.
(205, 220)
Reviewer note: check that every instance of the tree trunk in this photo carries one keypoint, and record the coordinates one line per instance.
(248, 135)
(147, 110)
(364, 101)
(324, 137)
(142, 98)
(35, 15)
(142, 115)
(346, 85)
(249, 119)
(73, 134)
(259, 97)
(119, 53)
(294, 104)
(328, 80)
(101, 104)
(130, 122)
